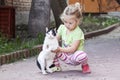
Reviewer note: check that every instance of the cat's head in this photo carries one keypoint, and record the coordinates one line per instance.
(51, 33)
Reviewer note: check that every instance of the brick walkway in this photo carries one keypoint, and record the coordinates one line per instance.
(104, 59)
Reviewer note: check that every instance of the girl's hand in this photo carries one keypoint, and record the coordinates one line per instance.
(57, 50)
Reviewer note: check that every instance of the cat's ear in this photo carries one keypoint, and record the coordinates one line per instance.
(46, 29)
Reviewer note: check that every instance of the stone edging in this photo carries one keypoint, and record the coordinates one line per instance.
(7, 58)
(13, 56)
(101, 31)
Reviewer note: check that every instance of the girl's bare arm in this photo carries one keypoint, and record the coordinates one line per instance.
(72, 48)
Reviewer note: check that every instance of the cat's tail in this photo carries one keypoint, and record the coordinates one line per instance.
(38, 64)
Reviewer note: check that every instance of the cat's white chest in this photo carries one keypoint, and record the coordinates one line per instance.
(50, 44)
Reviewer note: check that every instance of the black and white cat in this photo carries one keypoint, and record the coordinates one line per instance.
(46, 57)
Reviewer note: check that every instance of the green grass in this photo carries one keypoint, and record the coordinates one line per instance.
(7, 46)
(92, 23)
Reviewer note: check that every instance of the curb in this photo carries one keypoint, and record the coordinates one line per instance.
(14, 56)
(26, 53)
(101, 31)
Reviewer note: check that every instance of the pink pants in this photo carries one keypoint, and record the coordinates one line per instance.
(72, 59)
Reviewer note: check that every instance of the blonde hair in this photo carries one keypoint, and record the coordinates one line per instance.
(72, 10)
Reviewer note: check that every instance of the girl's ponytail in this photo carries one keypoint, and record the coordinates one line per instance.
(79, 7)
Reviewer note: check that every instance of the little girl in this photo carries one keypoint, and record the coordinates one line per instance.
(72, 39)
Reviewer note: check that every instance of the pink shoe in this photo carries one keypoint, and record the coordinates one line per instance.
(86, 69)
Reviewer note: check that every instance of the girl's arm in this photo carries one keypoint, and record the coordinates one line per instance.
(71, 49)
(58, 37)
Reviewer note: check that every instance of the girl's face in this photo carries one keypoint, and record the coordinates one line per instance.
(70, 23)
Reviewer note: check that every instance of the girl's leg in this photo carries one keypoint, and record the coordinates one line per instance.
(80, 57)
(62, 56)
(56, 61)
(56, 65)
(74, 59)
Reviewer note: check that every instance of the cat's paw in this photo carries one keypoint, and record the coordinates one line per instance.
(44, 72)
(50, 71)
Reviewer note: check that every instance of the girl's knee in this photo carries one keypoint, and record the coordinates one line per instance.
(80, 56)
